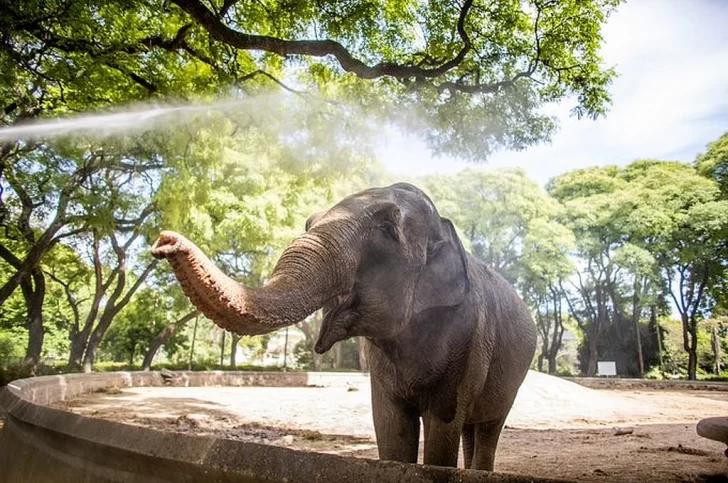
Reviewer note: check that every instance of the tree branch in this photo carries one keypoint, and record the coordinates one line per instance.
(258, 72)
(139, 281)
(9, 257)
(70, 298)
(322, 48)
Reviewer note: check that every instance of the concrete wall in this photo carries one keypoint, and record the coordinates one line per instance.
(636, 384)
(39, 443)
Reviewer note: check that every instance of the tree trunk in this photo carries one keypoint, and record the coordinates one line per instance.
(637, 288)
(192, 346)
(591, 360)
(558, 333)
(112, 309)
(552, 364)
(361, 346)
(715, 344)
(90, 354)
(690, 343)
(34, 294)
(693, 351)
(316, 361)
(234, 350)
(97, 336)
(692, 365)
(161, 338)
(285, 351)
(655, 328)
(222, 350)
(544, 326)
(338, 356)
(309, 327)
(79, 340)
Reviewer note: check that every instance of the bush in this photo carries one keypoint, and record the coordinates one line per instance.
(655, 373)
(723, 377)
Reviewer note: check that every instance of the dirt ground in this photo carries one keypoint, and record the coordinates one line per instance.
(556, 429)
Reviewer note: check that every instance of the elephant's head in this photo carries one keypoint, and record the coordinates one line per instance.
(372, 262)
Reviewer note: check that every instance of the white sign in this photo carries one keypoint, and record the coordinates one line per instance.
(606, 368)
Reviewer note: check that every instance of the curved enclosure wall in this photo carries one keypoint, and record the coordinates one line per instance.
(40, 443)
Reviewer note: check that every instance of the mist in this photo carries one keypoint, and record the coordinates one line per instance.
(309, 128)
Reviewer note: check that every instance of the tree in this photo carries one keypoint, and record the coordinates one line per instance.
(305, 354)
(165, 336)
(476, 73)
(688, 230)
(49, 70)
(713, 163)
(652, 230)
(51, 196)
(597, 205)
(144, 326)
(123, 287)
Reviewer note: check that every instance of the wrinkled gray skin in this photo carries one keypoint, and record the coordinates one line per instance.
(449, 340)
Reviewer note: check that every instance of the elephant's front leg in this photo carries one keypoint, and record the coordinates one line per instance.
(442, 440)
(396, 425)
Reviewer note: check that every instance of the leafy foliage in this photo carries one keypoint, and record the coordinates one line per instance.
(474, 74)
(714, 163)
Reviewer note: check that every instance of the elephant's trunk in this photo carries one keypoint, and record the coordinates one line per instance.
(312, 270)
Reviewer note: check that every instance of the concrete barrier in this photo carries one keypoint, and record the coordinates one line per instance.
(39, 443)
(637, 384)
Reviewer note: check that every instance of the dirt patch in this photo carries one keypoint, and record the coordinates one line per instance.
(557, 428)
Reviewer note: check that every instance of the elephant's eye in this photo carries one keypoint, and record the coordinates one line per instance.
(388, 229)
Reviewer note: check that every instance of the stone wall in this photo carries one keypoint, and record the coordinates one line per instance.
(39, 443)
(637, 384)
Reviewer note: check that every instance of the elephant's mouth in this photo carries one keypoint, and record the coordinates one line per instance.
(340, 318)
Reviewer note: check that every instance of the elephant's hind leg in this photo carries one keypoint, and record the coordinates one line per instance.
(486, 441)
(468, 436)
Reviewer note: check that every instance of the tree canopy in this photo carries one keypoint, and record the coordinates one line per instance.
(469, 77)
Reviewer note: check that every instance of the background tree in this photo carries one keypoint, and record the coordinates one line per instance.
(689, 225)
(713, 163)
(136, 330)
(597, 203)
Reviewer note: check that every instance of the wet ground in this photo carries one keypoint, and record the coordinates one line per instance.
(556, 428)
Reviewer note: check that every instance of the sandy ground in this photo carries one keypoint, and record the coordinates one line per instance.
(556, 429)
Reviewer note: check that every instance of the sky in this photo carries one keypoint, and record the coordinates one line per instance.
(669, 100)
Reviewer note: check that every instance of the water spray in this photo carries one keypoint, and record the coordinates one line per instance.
(106, 124)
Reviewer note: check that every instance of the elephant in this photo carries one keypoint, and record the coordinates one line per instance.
(448, 340)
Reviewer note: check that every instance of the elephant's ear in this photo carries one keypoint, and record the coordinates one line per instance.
(444, 280)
